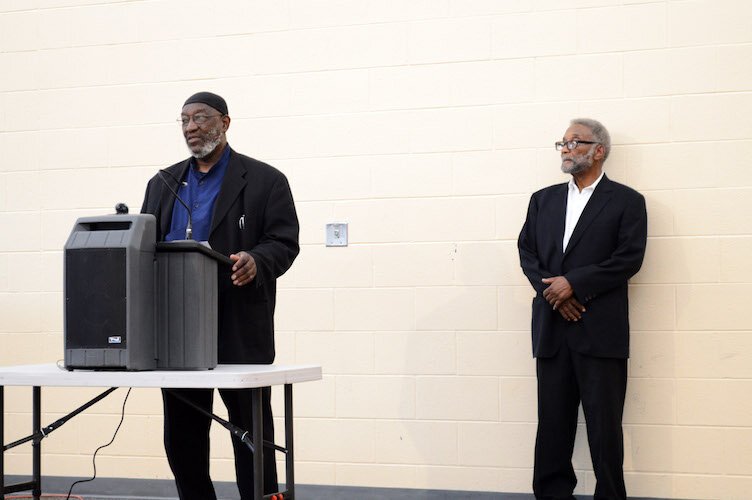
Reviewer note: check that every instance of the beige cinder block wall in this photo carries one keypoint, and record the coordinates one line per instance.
(425, 125)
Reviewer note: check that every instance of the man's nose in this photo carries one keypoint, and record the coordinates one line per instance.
(191, 125)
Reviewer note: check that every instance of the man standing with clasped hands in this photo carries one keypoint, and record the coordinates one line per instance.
(580, 244)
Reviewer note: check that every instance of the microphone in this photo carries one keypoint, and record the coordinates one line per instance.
(189, 226)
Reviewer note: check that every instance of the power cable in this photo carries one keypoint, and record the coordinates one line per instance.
(94, 458)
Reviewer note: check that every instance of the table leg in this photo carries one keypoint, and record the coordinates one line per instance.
(2, 441)
(36, 445)
(289, 458)
(258, 444)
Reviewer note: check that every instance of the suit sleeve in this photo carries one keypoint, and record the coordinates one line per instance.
(624, 262)
(278, 245)
(528, 248)
(147, 206)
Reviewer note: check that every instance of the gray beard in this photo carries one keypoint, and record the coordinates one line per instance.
(576, 167)
(207, 148)
(580, 165)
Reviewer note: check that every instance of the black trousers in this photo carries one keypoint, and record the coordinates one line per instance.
(600, 384)
(186, 440)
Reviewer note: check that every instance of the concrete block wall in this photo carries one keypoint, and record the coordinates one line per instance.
(424, 124)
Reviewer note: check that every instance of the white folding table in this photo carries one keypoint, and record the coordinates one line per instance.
(252, 377)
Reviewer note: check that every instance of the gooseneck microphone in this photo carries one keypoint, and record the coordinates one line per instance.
(189, 226)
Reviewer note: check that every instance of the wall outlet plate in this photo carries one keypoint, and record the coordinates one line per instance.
(336, 234)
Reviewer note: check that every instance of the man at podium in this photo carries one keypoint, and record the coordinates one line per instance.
(243, 208)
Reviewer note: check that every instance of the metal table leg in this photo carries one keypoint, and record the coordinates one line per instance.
(39, 433)
(2, 441)
(258, 444)
(289, 458)
(36, 445)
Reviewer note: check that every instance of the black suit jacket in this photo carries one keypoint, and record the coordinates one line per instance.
(605, 250)
(260, 195)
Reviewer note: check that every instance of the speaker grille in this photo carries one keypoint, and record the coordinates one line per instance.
(95, 296)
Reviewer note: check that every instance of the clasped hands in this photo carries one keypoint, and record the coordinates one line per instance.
(561, 297)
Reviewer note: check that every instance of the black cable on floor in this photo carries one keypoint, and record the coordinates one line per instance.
(94, 458)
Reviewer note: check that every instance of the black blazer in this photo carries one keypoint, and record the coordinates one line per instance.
(605, 250)
(260, 195)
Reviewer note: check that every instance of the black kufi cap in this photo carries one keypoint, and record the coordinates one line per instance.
(213, 100)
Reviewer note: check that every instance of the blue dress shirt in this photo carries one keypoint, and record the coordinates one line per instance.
(199, 191)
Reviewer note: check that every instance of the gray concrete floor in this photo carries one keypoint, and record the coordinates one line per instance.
(144, 489)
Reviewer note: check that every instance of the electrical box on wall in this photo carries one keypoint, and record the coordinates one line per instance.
(336, 234)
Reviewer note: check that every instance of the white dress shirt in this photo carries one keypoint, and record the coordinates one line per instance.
(576, 202)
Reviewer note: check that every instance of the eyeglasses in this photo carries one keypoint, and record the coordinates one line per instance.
(572, 144)
(198, 119)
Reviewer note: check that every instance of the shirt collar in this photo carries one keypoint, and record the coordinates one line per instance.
(591, 187)
(223, 160)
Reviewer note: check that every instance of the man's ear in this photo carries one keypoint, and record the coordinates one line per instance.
(225, 123)
(600, 152)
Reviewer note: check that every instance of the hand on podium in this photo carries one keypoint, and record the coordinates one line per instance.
(244, 269)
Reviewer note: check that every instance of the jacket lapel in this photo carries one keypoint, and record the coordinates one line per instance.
(168, 199)
(559, 217)
(232, 185)
(601, 196)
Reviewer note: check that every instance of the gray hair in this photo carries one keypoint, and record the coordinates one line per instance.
(600, 134)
